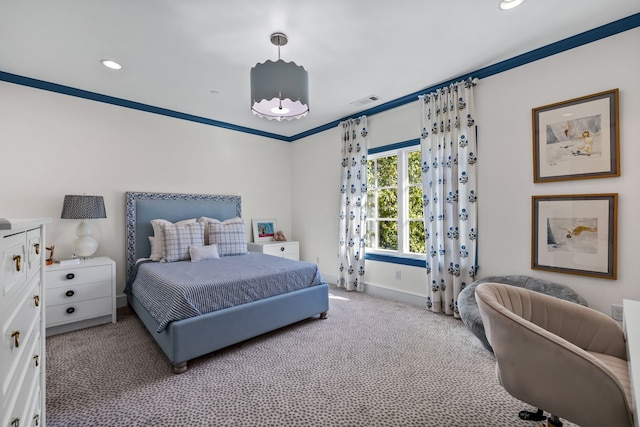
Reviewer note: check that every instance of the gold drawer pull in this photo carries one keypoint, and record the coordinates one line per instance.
(36, 420)
(17, 259)
(36, 360)
(16, 338)
(36, 300)
(37, 247)
(15, 422)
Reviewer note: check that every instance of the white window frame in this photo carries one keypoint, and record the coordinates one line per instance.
(402, 154)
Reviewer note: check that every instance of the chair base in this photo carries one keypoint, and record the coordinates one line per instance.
(532, 416)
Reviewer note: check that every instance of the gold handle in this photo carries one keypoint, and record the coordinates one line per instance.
(15, 422)
(37, 246)
(17, 259)
(36, 420)
(36, 360)
(36, 300)
(16, 338)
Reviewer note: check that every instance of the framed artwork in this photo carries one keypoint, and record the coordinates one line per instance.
(575, 234)
(264, 230)
(577, 139)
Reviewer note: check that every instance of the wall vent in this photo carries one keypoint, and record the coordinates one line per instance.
(366, 100)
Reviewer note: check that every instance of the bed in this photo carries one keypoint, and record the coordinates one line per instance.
(184, 339)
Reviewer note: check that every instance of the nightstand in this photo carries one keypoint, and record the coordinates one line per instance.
(80, 295)
(289, 250)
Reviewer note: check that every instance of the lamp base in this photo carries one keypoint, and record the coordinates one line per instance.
(85, 245)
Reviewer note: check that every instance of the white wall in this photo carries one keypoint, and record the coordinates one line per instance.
(503, 104)
(53, 144)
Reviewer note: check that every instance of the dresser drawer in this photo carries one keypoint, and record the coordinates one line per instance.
(73, 293)
(26, 405)
(77, 275)
(73, 312)
(14, 269)
(21, 327)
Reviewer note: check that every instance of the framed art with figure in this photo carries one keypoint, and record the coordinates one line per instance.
(577, 139)
(575, 234)
(264, 230)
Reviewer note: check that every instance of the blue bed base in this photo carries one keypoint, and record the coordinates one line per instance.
(187, 339)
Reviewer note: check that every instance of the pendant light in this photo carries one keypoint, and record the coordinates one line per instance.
(279, 90)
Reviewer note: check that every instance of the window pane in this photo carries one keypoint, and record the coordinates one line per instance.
(371, 173)
(371, 204)
(415, 169)
(388, 203)
(388, 235)
(415, 203)
(388, 171)
(416, 237)
(370, 235)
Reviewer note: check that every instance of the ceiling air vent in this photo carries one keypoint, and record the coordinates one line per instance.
(366, 100)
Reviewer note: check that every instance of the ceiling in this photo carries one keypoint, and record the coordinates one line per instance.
(194, 56)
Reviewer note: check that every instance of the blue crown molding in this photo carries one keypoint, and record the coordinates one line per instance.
(590, 36)
(93, 96)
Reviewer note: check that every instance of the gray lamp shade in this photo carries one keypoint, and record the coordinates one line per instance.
(279, 90)
(83, 207)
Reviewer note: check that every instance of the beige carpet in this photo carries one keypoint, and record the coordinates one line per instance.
(373, 362)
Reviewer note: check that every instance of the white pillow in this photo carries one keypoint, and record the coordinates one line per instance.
(200, 253)
(178, 238)
(157, 241)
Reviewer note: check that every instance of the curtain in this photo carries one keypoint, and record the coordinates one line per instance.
(353, 198)
(449, 162)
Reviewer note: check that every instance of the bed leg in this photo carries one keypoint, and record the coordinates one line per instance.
(179, 368)
(323, 315)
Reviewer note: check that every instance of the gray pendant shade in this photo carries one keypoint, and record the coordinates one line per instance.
(279, 90)
(83, 207)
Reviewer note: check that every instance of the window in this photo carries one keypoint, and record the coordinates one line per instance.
(394, 201)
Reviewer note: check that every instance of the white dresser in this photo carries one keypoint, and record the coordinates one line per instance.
(289, 250)
(80, 295)
(22, 320)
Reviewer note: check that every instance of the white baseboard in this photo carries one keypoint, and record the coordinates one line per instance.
(386, 293)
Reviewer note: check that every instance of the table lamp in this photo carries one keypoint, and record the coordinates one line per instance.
(83, 207)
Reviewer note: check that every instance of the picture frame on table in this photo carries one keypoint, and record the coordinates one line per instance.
(264, 230)
(575, 234)
(577, 139)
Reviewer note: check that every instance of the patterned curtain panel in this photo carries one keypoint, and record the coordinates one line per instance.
(353, 202)
(449, 159)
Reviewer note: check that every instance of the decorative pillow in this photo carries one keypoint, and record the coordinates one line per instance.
(200, 253)
(229, 235)
(177, 239)
(206, 221)
(157, 241)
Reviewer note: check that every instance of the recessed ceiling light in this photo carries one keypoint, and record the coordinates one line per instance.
(510, 4)
(111, 64)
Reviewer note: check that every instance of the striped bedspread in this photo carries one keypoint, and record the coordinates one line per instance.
(179, 290)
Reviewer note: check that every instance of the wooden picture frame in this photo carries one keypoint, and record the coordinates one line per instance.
(575, 234)
(577, 139)
(264, 230)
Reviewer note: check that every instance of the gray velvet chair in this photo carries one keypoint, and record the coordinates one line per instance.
(565, 358)
(468, 307)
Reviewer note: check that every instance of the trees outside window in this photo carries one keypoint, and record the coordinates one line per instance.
(394, 202)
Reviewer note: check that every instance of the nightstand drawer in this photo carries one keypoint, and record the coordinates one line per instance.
(72, 312)
(76, 293)
(283, 250)
(77, 275)
(290, 249)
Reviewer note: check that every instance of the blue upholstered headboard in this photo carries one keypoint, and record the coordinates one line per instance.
(144, 207)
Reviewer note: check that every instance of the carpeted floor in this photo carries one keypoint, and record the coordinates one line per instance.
(373, 362)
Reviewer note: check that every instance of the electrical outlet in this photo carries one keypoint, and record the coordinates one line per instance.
(318, 260)
(398, 274)
(616, 312)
